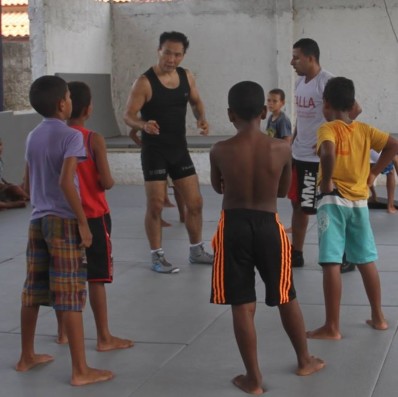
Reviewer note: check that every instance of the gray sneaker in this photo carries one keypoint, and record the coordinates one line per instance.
(198, 255)
(160, 265)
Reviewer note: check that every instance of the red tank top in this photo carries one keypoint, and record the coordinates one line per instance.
(92, 193)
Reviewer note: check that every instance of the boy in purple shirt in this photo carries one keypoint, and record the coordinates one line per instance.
(58, 229)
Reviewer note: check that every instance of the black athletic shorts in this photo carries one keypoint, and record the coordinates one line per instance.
(246, 240)
(303, 188)
(99, 254)
(156, 164)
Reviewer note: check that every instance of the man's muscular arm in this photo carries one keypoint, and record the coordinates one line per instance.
(140, 94)
(197, 106)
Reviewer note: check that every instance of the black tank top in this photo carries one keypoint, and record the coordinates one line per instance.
(168, 106)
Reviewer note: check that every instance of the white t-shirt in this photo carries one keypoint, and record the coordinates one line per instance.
(374, 156)
(309, 103)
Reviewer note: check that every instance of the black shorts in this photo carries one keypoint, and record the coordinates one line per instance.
(248, 239)
(303, 186)
(99, 254)
(156, 164)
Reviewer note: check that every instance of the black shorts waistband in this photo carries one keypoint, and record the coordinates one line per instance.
(251, 212)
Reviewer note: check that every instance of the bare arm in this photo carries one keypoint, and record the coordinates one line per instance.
(197, 106)
(215, 174)
(327, 155)
(286, 177)
(26, 182)
(134, 136)
(288, 139)
(386, 156)
(67, 185)
(101, 161)
(294, 133)
(140, 94)
(355, 111)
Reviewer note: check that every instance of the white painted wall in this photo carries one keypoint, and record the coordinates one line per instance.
(73, 36)
(357, 41)
(231, 40)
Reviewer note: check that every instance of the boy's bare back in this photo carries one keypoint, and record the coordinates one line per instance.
(251, 170)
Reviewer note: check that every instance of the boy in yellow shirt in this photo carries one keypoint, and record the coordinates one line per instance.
(343, 216)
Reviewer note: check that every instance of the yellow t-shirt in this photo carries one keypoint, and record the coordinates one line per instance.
(352, 148)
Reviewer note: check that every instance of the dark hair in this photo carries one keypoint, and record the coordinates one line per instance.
(176, 37)
(45, 93)
(308, 47)
(81, 97)
(340, 93)
(278, 91)
(246, 99)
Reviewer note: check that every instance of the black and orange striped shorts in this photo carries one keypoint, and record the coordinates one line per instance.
(246, 240)
(56, 275)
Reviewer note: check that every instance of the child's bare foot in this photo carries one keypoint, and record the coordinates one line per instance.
(247, 385)
(323, 333)
(91, 375)
(165, 224)
(313, 365)
(25, 364)
(379, 325)
(391, 209)
(114, 343)
(62, 340)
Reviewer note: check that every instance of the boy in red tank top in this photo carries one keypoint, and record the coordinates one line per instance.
(94, 178)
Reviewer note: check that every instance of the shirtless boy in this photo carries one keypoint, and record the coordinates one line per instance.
(252, 170)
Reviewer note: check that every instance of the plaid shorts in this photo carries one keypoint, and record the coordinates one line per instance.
(56, 275)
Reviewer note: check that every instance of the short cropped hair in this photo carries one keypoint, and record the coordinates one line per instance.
(278, 91)
(81, 97)
(175, 37)
(246, 99)
(308, 47)
(45, 94)
(339, 92)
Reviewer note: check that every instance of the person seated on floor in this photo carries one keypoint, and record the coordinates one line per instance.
(11, 196)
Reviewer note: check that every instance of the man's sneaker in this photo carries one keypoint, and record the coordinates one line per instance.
(198, 255)
(297, 258)
(346, 266)
(160, 265)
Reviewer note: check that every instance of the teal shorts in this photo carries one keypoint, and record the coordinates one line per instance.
(344, 227)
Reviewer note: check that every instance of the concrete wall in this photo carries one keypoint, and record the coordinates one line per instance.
(17, 74)
(73, 36)
(15, 127)
(231, 40)
(357, 40)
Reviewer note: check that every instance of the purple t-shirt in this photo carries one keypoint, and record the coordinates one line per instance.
(47, 146)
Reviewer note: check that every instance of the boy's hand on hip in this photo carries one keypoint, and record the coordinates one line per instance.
(326, 187)
(371, 179)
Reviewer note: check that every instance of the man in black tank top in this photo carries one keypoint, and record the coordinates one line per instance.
(157, 106)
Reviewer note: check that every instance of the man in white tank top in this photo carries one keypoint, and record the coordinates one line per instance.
(309, 99)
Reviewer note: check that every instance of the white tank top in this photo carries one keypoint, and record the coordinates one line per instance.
(309, 103)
